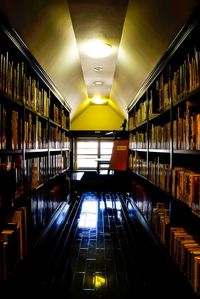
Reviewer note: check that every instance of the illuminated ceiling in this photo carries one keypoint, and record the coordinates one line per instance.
(139, 32)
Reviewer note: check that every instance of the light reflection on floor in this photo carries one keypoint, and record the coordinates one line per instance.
(98, 264)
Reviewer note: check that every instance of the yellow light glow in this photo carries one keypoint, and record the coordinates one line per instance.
(99, 281)
(97, 49)
(98, 100)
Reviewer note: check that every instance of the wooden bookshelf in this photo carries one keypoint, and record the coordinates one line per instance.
(164, 145)
(34, 121)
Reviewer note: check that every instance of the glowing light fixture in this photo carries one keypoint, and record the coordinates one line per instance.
(98, 100)
(98, 83)
(97, 49)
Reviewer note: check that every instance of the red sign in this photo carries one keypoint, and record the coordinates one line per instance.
(119, 156)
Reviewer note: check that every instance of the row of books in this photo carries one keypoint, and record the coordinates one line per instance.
(186, 186)
(13, 242)
(156, 213)
(38, 135)
(156, 172)
(146, 110)
(159, 136)
(138, 165)
(170, 87)
(176, 84)
(58, 163)
(183, 183)
(35, 131)
(19, 84)
(160, 221)
(10, 129)
(186, 131)
(186, 127)
(182, 245)
(12, 175)
(185, 251)
(59, 116)
(138, 140)
(22, 176)
(58, 139)
(160, 174)
(141, 113)
(38, 169)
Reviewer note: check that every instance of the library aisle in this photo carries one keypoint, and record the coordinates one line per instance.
(98, 247)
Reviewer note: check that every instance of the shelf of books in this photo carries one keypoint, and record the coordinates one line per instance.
(34, 120)
(164, 149)
(34, 130)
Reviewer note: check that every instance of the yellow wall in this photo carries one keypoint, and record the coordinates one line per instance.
(97, 117)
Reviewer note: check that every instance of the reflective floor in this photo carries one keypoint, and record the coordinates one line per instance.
(99, 262)
(106, 252)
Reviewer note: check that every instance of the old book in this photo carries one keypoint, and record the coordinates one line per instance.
(3, 260)
(20, 217)
(191, 254)
(195, 279)
(173, 232)
(185, 246)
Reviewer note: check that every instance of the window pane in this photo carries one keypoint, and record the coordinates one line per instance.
(106, 149)
(106, 144)
(87, 144)
(106, 157)
(87, 152)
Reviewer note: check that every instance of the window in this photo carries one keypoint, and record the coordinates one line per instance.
(87, 151)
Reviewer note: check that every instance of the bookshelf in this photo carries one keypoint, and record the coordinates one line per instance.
(34, 122)
(164, 149)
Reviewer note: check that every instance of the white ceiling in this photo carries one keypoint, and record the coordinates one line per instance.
(138, 30)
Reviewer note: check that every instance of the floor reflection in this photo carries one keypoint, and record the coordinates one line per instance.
(88, 214)
(98, 263)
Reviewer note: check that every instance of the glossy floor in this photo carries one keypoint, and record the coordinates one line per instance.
(111, 254)
(99, 263)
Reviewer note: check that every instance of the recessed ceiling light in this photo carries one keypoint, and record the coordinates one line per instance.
(98, 83)
(97, 49)
(98, 100)
(98, 69)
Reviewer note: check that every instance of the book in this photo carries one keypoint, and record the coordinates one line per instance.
(191, 255)
(185, 246)
(173, 232)
(195, 279)
(3, 261)
(8, 238)
(20, 217)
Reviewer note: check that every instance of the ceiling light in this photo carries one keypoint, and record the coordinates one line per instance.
(98, 69)
(97, 49)
(98, 83)
(98, 100)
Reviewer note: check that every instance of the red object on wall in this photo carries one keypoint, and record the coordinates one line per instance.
(119, 158)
